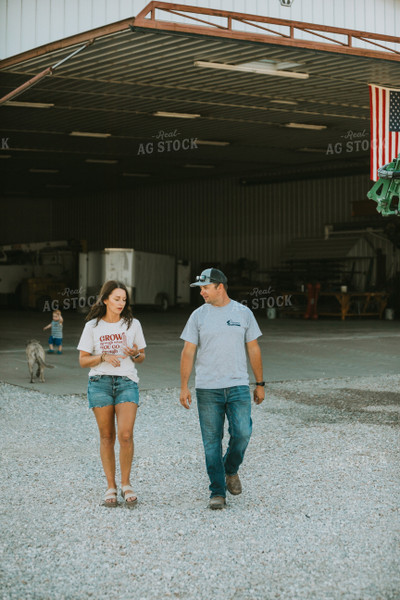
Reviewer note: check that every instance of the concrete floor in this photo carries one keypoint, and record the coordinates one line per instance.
(292, 349)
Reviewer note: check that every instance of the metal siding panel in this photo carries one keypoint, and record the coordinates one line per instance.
(113, 12)
(34, 218)
(381, 16)
(70, 14)
(13, 27)
(43, 31)
(98, 13)
(372, 17)
(60, 23)
(351, 14)
(85, 10)
(126, 9)
(3, 29)
(204, 221)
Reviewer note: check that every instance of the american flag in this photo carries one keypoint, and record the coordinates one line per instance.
(385, 126)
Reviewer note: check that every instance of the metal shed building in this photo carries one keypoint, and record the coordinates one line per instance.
(211, 134)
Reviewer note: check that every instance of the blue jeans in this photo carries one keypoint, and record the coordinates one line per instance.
(213, 405)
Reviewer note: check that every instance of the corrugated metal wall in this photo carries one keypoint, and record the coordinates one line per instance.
(210, 221)
(215, 221)
(26, 24)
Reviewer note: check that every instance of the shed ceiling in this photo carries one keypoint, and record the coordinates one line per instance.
(116, 84)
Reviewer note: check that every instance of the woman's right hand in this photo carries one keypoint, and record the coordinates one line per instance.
(113, 359)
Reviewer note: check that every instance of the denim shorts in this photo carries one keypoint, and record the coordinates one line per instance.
(55, 341)
(109, 390)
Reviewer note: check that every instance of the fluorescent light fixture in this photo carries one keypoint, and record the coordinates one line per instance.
(258, 68)
(211, 143)
(289, 102)
(136, 174)
(190, 166)
(28, 104)
(175, 115)
(319, 150)
(101, 161)
(279, 65)
(90, 134)
(44, 170)
(305, 126)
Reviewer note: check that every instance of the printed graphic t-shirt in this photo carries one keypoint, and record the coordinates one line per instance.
(112, 338)
(220, 334)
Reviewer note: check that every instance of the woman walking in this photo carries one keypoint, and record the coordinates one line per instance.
(111, 344)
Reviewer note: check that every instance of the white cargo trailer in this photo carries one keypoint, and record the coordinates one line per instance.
(149, 277)
(183, 282)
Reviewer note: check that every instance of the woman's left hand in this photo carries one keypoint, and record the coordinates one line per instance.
(131, 351)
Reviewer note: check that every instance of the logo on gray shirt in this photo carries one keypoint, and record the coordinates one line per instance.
(232, 323)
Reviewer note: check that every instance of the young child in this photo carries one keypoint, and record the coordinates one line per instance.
(55, 338)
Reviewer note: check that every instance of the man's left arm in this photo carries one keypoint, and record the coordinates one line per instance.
(254, 352)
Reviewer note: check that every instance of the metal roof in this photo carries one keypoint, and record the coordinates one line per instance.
(127, 73)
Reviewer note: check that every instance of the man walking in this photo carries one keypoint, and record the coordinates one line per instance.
(220, 331)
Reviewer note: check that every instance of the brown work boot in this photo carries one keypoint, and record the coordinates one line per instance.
(217, 502)
(233, 484)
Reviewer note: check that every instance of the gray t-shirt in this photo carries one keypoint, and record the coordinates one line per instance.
(220, 334)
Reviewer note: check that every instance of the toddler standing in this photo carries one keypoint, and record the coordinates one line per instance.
(55, 338)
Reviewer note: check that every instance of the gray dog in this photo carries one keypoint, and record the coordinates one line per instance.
(35, 355)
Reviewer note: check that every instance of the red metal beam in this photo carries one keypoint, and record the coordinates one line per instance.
(25, 86)
(34, 80)
(147, 18)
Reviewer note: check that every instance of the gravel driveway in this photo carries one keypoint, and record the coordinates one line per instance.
(318, 519)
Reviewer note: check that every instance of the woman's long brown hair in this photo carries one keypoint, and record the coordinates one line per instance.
(99, 309)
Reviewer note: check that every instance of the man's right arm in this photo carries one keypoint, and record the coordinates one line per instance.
(187, 361)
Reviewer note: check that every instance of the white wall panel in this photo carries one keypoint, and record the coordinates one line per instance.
(3, 22)
(113, 11)
(85, 11)
(70, 17)
(28, 33)
(58, 19)
(43, 20)
(13, 35)
(26, 24)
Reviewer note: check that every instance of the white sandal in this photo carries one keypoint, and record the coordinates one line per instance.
(125, 492)
(111, 493)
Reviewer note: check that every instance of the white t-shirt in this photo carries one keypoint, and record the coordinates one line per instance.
(112, 338)
(220, 334)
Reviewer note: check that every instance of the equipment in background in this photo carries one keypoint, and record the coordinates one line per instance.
(312, 301)
(38, 272)
(42, 293)
(386, 191)
(151, 278)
